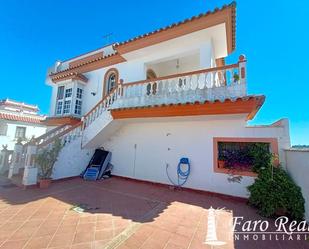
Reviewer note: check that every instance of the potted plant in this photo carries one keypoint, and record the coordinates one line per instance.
(236, 78)
(45, 161)
(221, 161)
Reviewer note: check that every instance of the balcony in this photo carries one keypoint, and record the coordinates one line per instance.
(212, 84)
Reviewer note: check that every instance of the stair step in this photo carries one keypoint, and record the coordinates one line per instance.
(91, 174)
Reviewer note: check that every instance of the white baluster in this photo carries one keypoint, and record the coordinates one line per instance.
(201, 81)
(159, 88)
(194, 82)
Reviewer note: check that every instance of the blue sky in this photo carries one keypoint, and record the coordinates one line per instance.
(272, 34)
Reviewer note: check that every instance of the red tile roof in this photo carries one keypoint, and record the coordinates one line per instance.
(231, 5)
(118, 45)
(21, 118)
(85, 63)
(248, 104)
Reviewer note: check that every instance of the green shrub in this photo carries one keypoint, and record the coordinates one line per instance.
(261, 157)
(274, 190)
(47, 158)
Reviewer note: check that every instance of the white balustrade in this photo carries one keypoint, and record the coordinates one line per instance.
(203, 85)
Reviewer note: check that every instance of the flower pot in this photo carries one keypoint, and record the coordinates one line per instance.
(44, 183)
(221, 164)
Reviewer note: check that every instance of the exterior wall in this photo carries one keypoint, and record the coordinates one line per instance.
(298, 168)
(72, 160)
(142, 148)
(162, 61)
(31, 130)
(185, 64)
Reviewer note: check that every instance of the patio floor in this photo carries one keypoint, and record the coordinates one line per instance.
(119, 213)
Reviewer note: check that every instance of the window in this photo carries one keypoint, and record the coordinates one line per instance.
(110, 81)
(59, 102)
(60, 92)
(20, 132)
(67, 107)
(68, 93)
(237, 154)
(78, 107)
(79, 93)
(59, 108)
(3, 129)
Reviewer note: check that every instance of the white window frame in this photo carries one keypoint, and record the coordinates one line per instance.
(67, 106)
(3, 129)
(78, 100)
(68, 92)
(24, 131)
(59, 101)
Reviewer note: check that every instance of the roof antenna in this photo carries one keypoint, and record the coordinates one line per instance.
(107, 38)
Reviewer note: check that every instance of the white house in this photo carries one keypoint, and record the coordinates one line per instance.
(156, 98)
(18, 122)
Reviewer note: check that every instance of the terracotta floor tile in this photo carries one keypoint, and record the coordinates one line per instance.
(179, 240)
(87, 219)
(61, 240)
(89, 245)
(82, 237)
(16, 244)
(38, 242)
(134, 241)
(100, 244)
(86, 227)
(23, 233)
(167, 218)
(66, 229)
(103, 217)
(185, 231)
(70, 221)
(104, 224)
(11, 226)
(173, 246)
(45, 231)
(104, 234)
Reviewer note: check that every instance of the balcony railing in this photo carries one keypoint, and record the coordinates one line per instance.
(207, 84)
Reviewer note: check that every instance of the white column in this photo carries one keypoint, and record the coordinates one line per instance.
(16, 159)
(206, 55)
(242, 69)
(31, 172)
(207, 61)
(4, 159)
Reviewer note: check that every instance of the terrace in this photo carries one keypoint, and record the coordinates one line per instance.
(119, 213)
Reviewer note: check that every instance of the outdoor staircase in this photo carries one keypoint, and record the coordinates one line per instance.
(80, 140)
(209, 84)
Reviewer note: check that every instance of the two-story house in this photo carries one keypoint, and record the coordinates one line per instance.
(18, 122)
(158, 97)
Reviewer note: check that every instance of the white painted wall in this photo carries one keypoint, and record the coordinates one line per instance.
(142, 148)
(298, 168)
(185, 64)
(195, 51)
(32, 129)
(72, 160)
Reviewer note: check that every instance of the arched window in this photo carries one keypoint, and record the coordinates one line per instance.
(110, 81)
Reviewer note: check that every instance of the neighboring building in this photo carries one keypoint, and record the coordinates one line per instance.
(19, 121)
(159, 97)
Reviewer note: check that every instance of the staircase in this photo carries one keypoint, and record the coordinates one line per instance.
(210, 84)
(80, 140)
